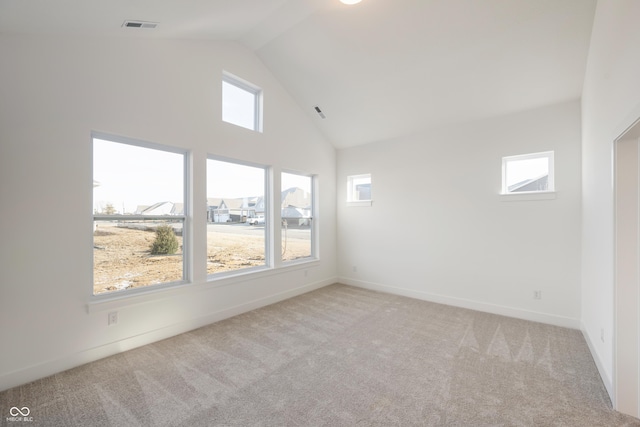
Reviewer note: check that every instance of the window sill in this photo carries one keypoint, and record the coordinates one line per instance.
(538, 195)
(360, 203)
(115, 301)
(231, 278)
(111, 300)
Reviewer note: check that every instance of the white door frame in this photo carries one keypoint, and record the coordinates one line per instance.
(626, 342)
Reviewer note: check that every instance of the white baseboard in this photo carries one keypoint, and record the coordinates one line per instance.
(45, 369)
(606, 379)
(551, 319)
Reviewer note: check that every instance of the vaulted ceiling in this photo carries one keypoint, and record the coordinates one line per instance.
(378, 69)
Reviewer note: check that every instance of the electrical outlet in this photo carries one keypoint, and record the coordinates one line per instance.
(355, 269)
(112, 318)
(537, 294)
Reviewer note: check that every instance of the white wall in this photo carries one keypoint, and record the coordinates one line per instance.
(54, 92)
(439, 230)
(610, 101)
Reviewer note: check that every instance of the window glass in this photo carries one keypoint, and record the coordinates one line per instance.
(296, 204)
(236, 216)
(359, 188)
(241, 103)
(139, 218)
(528, 173)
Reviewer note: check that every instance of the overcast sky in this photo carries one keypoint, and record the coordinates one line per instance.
(130, 176)
(521, 170)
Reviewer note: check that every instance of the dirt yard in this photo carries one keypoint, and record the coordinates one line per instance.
(123, 260)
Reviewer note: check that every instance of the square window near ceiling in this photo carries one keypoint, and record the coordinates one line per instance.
(359, 188)
(241, 103)
(528, 173)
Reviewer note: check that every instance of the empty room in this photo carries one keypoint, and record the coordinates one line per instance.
(320, 212)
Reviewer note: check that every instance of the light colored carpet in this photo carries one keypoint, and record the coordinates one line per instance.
(338, 356)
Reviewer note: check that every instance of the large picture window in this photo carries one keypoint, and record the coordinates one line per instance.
(237, 216)
(296, 204)
(139, 217)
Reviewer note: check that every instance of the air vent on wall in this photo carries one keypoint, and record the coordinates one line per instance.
(319, 111)
(139, 24)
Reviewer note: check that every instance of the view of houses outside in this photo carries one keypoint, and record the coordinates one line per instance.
(296, 207)
(137, 189)
(237, 214)
(235, 195)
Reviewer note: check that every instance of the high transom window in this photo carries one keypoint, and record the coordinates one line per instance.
(241, 103)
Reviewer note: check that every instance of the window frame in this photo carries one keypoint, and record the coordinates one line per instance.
(184, 218)
(549, 155)
(313, 234)
(268, 233)
(252, 89)
(351, 190)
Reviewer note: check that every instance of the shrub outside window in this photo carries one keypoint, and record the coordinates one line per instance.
(139, 200)
(528, 173)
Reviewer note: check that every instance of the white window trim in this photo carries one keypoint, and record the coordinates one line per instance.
(116, 301)
(358, 202)
(362, 203)
(528, 196)
(185, 218)
(551, 178)
(251, 88)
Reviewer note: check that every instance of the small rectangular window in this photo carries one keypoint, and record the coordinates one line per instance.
(241, 103)
(138, 214)
(296, 204)
(359, 188)
(528, 173)
(237, 216)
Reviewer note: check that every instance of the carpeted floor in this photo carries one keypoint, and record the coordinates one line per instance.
(338, 356)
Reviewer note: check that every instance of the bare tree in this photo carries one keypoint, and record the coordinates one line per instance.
(109, 209)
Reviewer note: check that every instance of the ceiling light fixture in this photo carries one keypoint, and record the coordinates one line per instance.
(350, 1)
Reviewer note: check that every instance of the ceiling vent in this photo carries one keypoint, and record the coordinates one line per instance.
(139, 24)
(319, 111)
